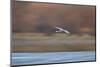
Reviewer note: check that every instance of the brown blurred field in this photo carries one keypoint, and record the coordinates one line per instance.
(38, 42)
(40, 21)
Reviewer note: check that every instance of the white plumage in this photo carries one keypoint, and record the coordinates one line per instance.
(62, 30)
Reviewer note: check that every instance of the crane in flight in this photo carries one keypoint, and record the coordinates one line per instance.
(62, 30)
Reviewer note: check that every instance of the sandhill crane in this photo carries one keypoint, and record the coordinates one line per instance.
(62, 30)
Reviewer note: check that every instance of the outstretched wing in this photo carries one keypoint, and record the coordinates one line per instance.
(66, 31)
(61, 29)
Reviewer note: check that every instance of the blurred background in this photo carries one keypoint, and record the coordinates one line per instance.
(33, 27)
